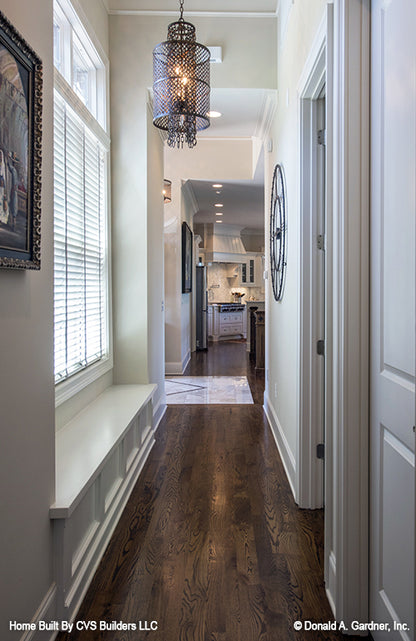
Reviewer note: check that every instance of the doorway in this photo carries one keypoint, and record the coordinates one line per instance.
(312, 300)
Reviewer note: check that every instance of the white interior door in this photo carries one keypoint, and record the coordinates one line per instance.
(392, 445)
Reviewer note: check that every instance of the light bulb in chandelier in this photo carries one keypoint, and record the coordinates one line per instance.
(181, 89)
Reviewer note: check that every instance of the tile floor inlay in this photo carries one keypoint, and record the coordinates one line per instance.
(201, 390)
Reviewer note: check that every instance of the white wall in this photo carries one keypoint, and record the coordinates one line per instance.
(282, 332)
(95, 16)
(26, 386)
(137, 206)
(155, 267)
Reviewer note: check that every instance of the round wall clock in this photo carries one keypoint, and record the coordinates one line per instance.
(278, 228)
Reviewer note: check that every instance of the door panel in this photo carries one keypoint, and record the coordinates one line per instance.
(393, 197)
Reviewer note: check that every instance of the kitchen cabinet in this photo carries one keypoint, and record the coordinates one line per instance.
(210, 320)
(227, 324)
(251, 272)
(252, 306)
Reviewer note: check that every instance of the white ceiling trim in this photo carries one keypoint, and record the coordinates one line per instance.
(206, 138)
(195, 14)
(189, 193)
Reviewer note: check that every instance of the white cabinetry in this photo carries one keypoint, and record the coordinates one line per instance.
(231, 324)
(251, 271)
(210, 320)
(227, 324)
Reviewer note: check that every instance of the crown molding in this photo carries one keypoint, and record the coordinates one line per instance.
(193, 14)
(189, 193)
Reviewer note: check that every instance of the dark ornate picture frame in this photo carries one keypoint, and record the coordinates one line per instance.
(20, 150)
(186, 259)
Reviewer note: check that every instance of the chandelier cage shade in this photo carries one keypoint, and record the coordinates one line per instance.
(181, 84)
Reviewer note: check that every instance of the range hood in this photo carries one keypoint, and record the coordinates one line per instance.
(223, 244)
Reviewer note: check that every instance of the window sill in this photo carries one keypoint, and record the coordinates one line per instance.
(76, 383)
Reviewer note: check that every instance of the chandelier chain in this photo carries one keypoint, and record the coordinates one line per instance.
(181, 9)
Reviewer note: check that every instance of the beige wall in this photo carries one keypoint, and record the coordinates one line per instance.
(282, 318)
(248, 50)
(94, 15)
(27, 388)
(137, 207)
(129, 79)
(155, 271)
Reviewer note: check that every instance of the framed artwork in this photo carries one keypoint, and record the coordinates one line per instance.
(186, 259)
(20, 150)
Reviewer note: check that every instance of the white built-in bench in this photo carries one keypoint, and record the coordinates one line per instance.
(99, 456)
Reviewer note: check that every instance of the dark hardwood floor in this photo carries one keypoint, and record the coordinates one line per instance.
(228, 358)
(211, 544)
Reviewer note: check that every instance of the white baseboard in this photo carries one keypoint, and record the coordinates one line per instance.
(45, 612)
(288, 460)
(177, 369)
(173, 369)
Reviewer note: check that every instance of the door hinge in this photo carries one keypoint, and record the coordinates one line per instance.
(322, 137)
(320, 450)
(320, 242)
(320, 347)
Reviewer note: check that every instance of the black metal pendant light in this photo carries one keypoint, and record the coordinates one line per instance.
(181, 84)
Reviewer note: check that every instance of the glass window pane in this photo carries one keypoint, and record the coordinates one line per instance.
(57, 57)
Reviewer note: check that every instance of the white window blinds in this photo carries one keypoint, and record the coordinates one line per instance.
(80, 244)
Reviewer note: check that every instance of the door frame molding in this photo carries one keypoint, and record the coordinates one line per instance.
(345, 32)
(309, 469)
(346, 555)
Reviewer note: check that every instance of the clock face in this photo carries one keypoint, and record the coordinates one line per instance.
(278, 230)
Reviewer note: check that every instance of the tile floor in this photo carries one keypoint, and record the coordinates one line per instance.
(201, 390)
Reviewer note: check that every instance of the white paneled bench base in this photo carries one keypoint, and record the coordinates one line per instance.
(99, 456)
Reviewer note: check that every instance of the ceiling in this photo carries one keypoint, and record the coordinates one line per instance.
(243, 201)
(242, 112)
(200, 6)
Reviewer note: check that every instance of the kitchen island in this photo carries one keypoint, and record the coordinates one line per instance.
(252, 306)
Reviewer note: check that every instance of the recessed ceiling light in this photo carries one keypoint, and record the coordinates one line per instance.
(214, 114)
(217, 186)
(218, 205)
(219, 221)
(217, 192)
(219, 213)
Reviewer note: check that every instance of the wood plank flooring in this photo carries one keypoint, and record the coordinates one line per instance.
(211, 544)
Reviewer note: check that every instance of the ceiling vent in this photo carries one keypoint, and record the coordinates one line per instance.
(215, 55)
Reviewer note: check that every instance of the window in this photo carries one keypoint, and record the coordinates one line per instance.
(81, 145)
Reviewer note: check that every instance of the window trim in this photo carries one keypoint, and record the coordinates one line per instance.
(71, 17)
(75, 383)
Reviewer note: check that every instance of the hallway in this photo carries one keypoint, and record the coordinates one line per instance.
(211, 544)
